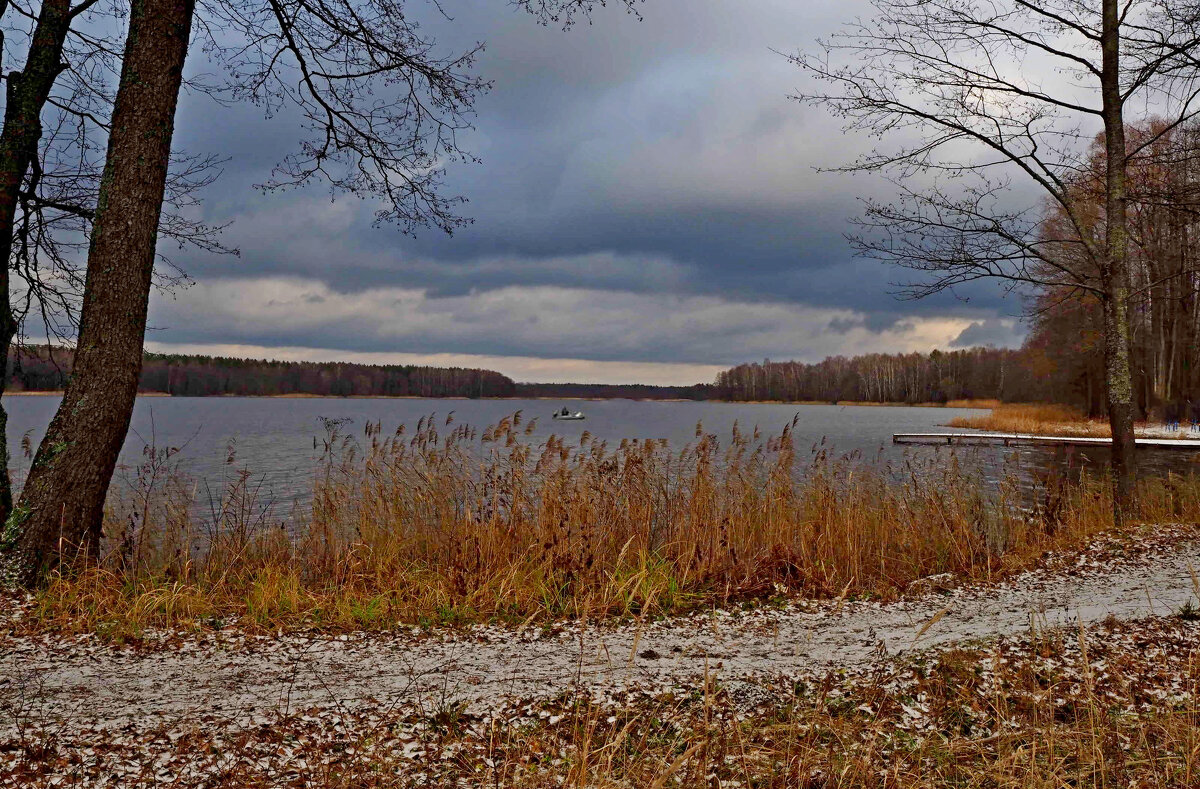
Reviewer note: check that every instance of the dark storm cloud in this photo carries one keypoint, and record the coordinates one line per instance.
(994, 333)
(622, 157)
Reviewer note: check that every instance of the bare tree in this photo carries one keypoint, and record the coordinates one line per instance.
(79, 453)
(383, 112)
(51, 157)
(27, 92)
(974, 96)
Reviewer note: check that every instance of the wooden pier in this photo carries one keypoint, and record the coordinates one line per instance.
(1020, 439)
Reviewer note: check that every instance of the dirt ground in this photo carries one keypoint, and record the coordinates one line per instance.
(233, 677)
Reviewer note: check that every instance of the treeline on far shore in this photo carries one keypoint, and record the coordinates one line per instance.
(40, 369)
(34, 369)
(935, 377)
(615, 391)
(978, 373)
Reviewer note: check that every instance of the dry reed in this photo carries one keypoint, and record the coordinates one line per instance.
(1036, 419)
(449, 525)
(974, 403)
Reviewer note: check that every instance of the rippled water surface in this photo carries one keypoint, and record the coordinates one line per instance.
(274, 437)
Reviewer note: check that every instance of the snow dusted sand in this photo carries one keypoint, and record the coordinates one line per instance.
(230, 677)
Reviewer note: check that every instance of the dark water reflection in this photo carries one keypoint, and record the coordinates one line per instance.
(1031, 472)
(273, 439)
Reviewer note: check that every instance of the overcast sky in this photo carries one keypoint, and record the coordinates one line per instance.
(647, 209)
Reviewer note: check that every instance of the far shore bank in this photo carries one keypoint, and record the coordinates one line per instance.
(980, 405)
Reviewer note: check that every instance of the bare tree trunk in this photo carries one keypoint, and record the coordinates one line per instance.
(62, 505)
(27, 93)
(1117, 373)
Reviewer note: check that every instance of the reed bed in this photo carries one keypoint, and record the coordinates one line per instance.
(1038, 419)
(960, 403)
(449, 525)
(974, 403)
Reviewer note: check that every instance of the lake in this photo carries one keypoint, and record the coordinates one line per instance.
(273, 437)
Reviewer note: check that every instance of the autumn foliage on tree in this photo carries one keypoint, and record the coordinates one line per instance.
(1065, 346)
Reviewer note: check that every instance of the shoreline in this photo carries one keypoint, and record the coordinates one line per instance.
(574, 398)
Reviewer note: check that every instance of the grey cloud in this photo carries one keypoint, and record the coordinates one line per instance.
(882, 320)
(622, 158)
(543, 321)
(992, 332)
(841, 325)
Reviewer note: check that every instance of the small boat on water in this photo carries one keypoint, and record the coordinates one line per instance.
(566, 414)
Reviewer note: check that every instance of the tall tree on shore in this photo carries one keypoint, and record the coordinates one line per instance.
(383, 111)
(77, 456)
(982, 94)
(55, 120)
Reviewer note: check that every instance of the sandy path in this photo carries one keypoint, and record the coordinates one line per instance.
(240, 680)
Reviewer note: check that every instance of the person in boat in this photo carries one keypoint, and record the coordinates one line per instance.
(564, 412)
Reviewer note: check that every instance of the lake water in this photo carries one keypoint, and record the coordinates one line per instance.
(273, 437)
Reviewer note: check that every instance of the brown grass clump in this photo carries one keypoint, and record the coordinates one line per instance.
(962, 403)
(1036, 419)
(974, 403)
(427, 529)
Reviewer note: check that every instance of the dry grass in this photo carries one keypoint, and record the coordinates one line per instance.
(1037, 419)
(418, 529)
(966, 403)
(974, 403)
(962, 403)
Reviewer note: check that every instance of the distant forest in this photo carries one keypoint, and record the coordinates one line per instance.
(977, 373)
(901, 378)
(35, 369)
(607, 391)
(878, 377)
